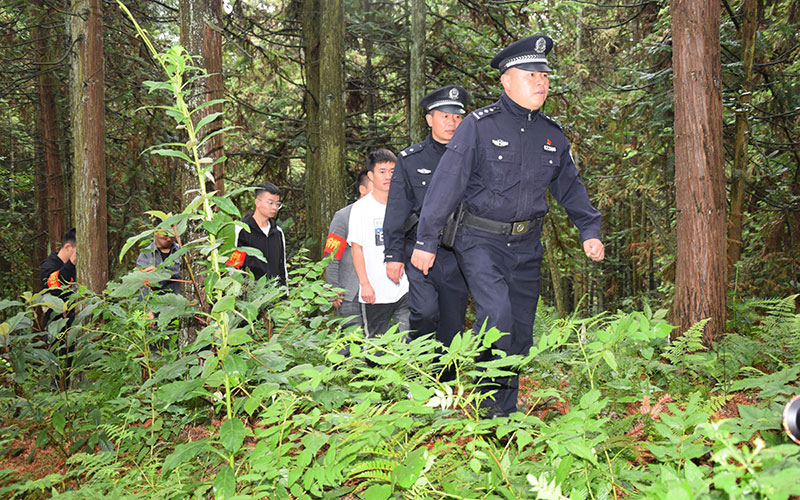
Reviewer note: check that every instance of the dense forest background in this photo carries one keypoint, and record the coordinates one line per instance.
(660, 373)
(611, 90)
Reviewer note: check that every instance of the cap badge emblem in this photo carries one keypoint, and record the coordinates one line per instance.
(541, 44)
(500, 143)
(453, 94)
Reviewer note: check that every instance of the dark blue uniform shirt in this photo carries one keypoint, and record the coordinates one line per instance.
(500, 162)
(410, 181)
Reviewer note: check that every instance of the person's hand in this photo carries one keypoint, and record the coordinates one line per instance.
(367, 293)
(422, 260)
(149, 269)
(337, 303)
(394, 270)
(594, 249)
(73, 255)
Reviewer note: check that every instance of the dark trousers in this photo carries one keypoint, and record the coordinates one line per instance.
(378, 317)
(352, 309)
(437, 302)
(503, 274)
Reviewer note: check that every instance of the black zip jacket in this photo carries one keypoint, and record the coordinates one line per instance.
(272, 245)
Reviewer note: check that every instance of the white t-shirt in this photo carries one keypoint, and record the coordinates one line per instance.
(366, 229)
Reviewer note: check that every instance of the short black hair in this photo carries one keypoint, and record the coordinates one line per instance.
(69, 238)
(379, 156)
(267, 187)
(361, 180)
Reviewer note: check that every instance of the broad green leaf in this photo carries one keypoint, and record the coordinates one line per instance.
(207, 119)
(226, 303)
(610, 360)
(59, 422)
(377, 492)
(231, 434)
(227, 206)
(180, 391)
(132, 240)
(581, 450)
(224, 483)
(419, 392)
(234, 365)
(172, 153)
(183, 453)
(239, 336)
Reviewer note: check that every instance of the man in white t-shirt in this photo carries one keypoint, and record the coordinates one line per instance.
(381, 299)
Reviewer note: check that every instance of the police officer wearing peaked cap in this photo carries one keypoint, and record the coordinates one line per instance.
(499, 165)
(438, 301)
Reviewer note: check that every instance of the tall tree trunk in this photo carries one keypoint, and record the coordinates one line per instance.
(325, 179)
(739, 170)
(88, 142)
(701, 271)
(417, 127)
(311, 19)
(368, 87)
(40, 247)
(201, 36)
(54, 211)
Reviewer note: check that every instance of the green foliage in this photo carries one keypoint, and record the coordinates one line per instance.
(274, 399)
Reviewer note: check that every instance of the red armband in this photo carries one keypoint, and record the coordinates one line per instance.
(52, 280)
(335, 245)
(237, 259)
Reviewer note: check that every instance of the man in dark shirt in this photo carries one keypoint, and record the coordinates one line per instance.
(57, 272)
(264, 235)
(438, 301)
(499, 165)
(153, 256)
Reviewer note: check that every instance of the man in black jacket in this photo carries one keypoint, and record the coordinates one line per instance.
(437, 301)
(57, 272)
(264, 236)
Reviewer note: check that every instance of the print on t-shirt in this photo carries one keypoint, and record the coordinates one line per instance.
(378, 223)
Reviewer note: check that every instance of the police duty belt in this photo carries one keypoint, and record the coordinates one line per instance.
(497, 227)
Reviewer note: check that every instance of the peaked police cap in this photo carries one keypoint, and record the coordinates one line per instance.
(447, 99)
(529, 54)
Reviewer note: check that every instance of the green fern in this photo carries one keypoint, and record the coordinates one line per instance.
(781, 330)
(690, 342)
(716, 403)
(380, 469)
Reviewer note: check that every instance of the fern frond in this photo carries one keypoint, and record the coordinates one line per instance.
(376, 475)
(779, 311)
(691, 341)
(716, 403)
(373, 465)
(781, 329)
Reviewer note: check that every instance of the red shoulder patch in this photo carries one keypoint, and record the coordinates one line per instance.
(52, 280)
(237, 259)
(335, 245)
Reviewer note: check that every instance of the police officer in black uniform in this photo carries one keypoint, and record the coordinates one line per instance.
(438, 301)
(499, 164)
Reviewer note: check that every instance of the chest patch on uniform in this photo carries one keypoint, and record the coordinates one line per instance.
(423, 171)
(500, 143)
(549, 147)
